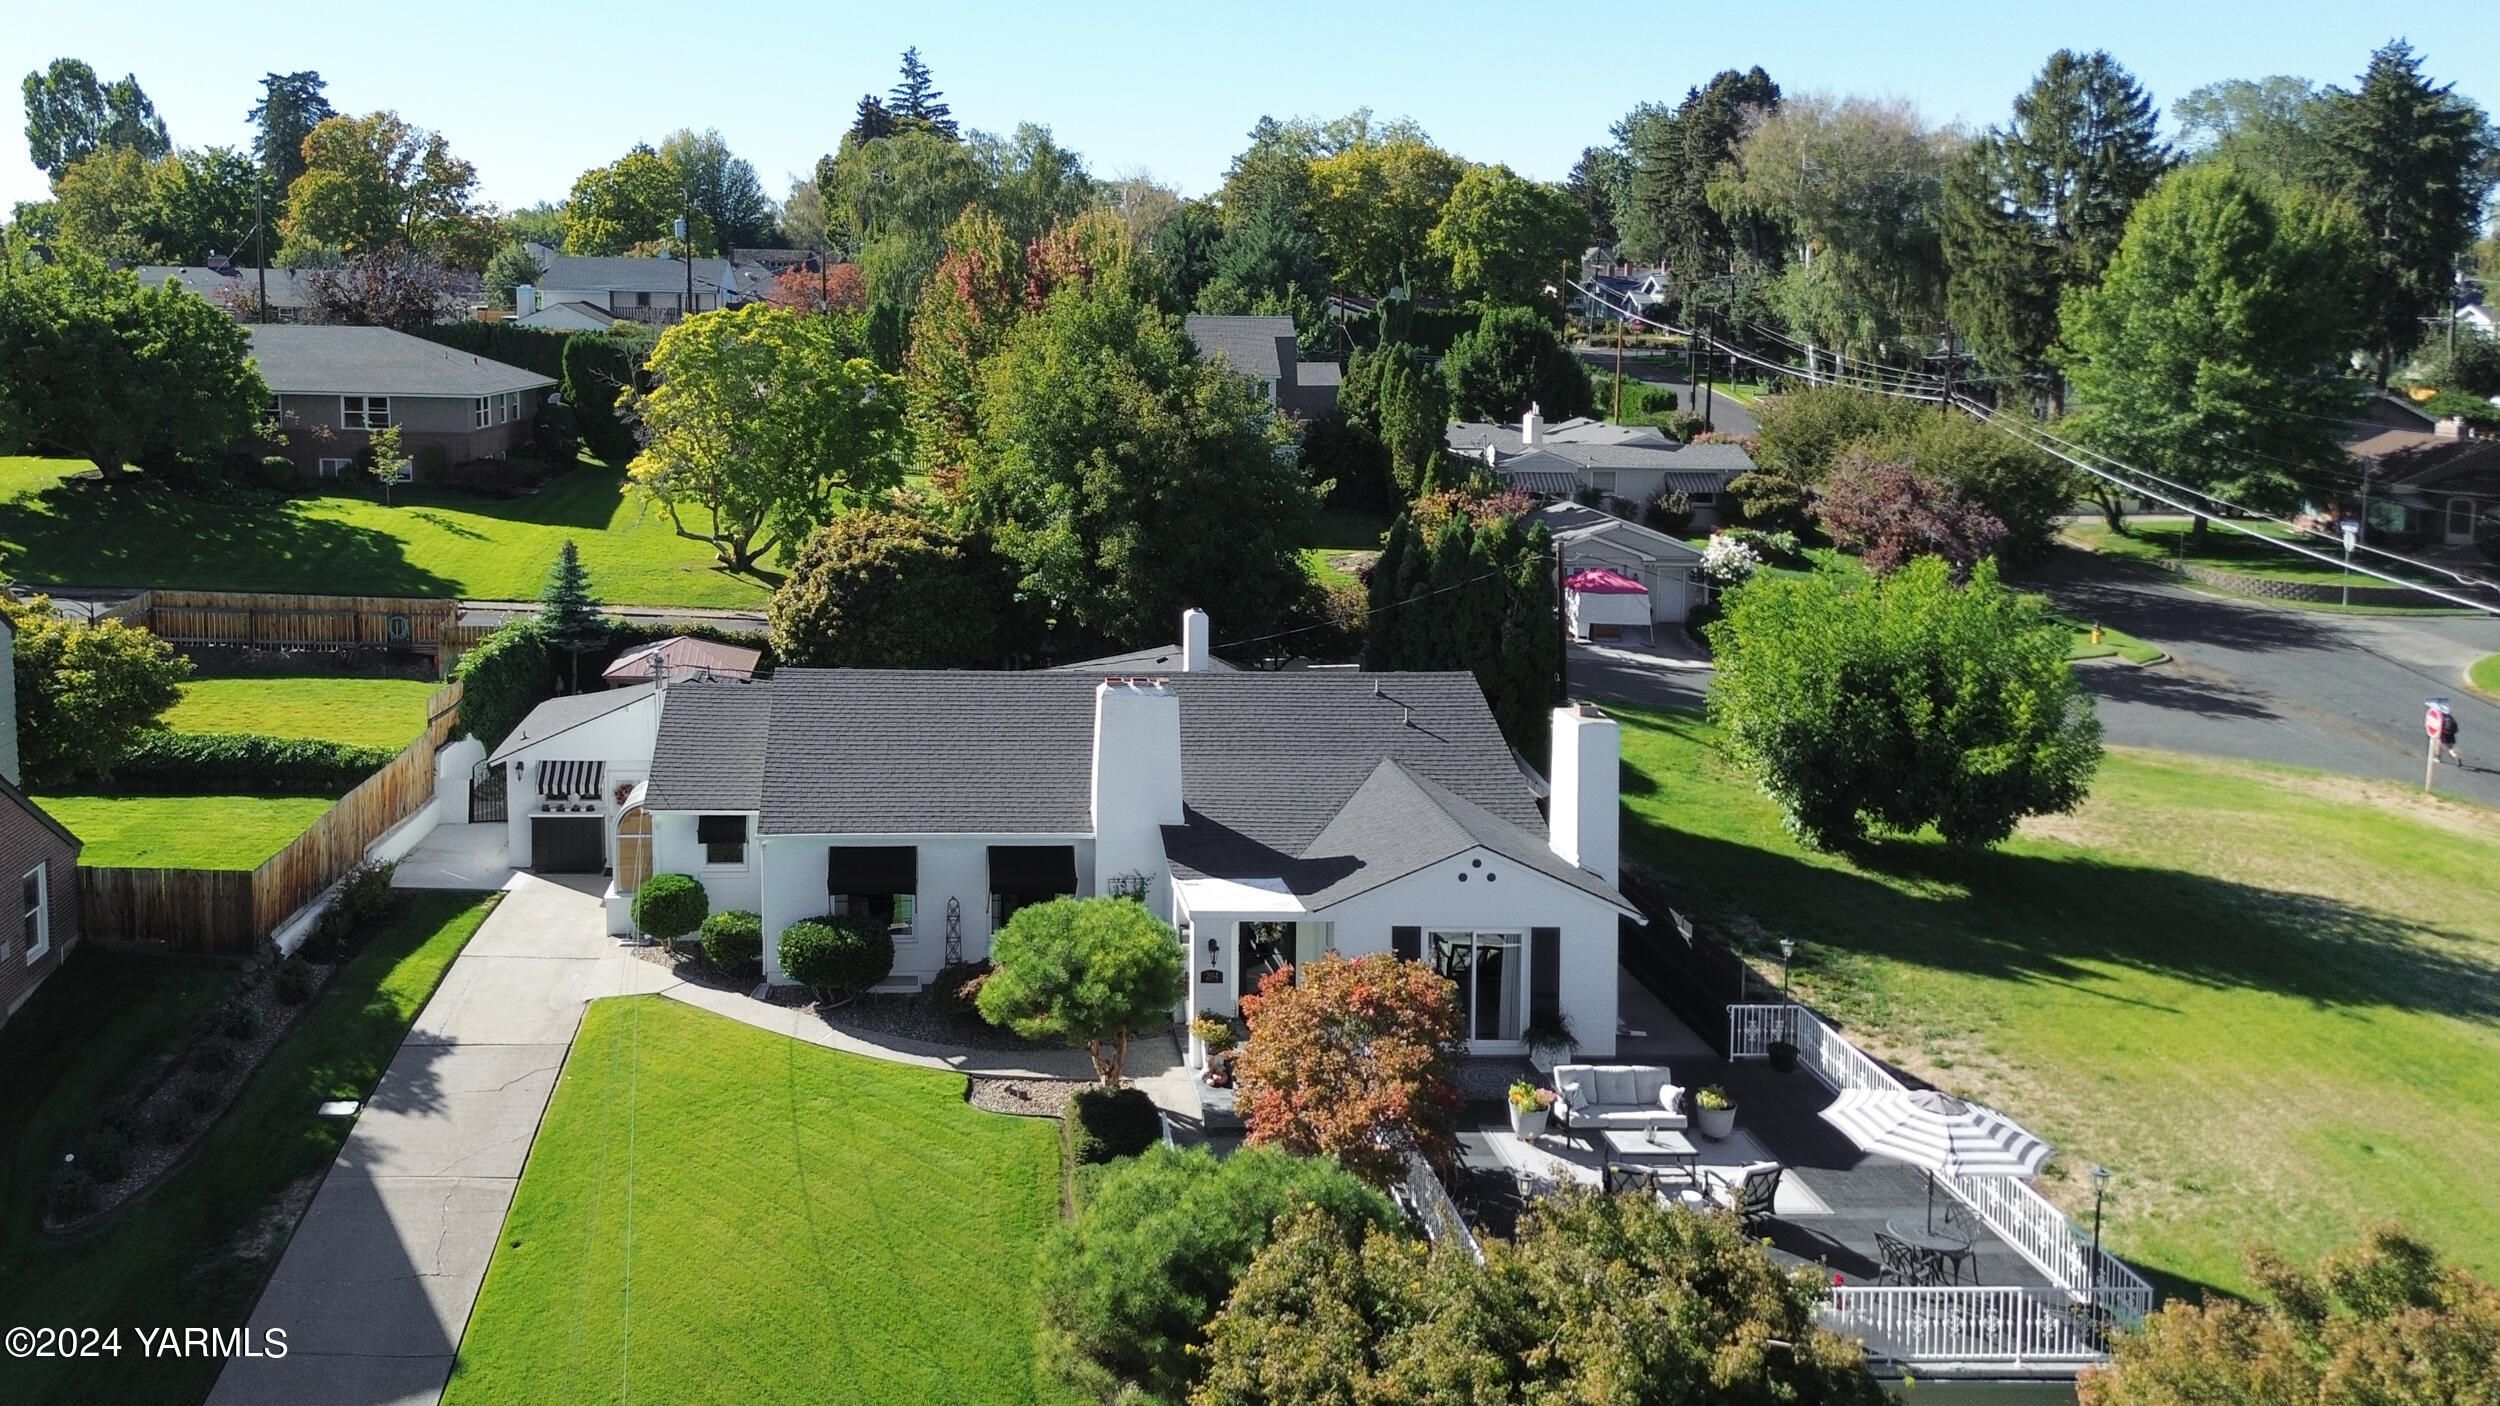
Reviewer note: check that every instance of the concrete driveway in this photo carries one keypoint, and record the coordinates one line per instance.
(376, 1285)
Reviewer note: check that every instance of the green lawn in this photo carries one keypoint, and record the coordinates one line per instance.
(1345, 540)
(2485, 675)
(2113, 643)
(716, 1213)
(196, 1252)
(361, 712)
(2224, 549)
(430, 542)
(2268, 999)
(184, 832)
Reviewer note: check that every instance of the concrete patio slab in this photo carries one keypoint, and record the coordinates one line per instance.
(456, 857)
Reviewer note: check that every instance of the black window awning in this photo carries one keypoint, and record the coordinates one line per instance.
(570, 779)
(1033, 869)
(872, 869)
(720, 829)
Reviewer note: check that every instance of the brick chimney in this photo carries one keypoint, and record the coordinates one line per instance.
(1584, 807)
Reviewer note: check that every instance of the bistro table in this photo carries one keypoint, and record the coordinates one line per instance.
(1948, 1243)
(1645, 1150)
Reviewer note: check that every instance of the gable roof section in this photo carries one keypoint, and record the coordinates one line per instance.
(1397, 823)
(309, 360)
(1571, 522)
(2453, 465)
(26, 803)
(1155, 659)
(1259, 347)
(684, 654)
(928, 751)
(711, 749)
(559, 715)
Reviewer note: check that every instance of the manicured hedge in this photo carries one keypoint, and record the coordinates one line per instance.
(668, 906)
(838, 955)
(530, 348)
(506, 675)
(245, 763)
(1108, 1123)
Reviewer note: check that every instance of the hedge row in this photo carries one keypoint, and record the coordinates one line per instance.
(248, 763)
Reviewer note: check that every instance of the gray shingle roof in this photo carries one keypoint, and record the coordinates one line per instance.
(1397, 823)
(1311, 375)
(1260, 347)
(1570, 522)
(1590, 445)
(710, 754)
(376, 361)
(564, 714)
(1155, 659)
(288, 288)
(622, 274)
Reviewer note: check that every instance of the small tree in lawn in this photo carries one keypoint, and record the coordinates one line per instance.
(1088, 971)
(1889, 513)
(568, 613)
(390, 460)
(1352, 1060)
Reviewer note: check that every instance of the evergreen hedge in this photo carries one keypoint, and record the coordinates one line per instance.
(668, 906)
(248, 763)
(509, 672)
(838, 955)
(1104, 1124)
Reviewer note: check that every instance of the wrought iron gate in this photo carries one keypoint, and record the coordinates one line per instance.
(486, 793)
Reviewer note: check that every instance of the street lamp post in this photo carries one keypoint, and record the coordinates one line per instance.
(2352, 533)
(2100, 1188)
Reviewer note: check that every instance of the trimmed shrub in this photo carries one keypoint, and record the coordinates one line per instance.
(1108, 1123)
(295, 981)
(215, 1057)
(431, 462)
(840, 956)
(366, 891)
(277, 473)
(72, 1192)
(557, 436)
(733, 939)
(241, 1022)
(250, 763)
(668, 906)
(106, 1155)
(510, 672)
(957, 988)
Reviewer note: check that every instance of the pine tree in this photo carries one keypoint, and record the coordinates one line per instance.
(916, 98)
(2413, 161)
(291, 105)
(568, 613)
(873, 121)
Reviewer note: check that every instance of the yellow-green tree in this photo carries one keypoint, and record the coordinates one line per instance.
(374, 181)
(762, 427)
(633, 200)
(1506, 238)
(1375, 203)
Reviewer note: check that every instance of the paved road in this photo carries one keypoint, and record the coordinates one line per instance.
(1727, 414)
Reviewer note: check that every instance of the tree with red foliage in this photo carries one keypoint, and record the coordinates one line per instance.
(1353, 1060)
(1890, 514)
(802, 289)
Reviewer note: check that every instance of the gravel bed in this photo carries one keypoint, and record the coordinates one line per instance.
(1036, 1098)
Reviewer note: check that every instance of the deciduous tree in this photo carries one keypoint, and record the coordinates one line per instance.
(723, 188)
(512, 266)
(1891, 703)
(1890, 513)
(176, 209)
(763, 423)
(1374, 204)
(2268, 127)
(84, 692)
(1087, 971)
(374, 181)
(633, 200)
(1034, 183)
(891, 588)
(70, 116)
(1353, 1060)
(1507, 239)
(395, 287)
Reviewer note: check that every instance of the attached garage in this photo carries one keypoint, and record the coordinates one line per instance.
(568, 844)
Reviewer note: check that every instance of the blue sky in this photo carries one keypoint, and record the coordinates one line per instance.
(534, 93)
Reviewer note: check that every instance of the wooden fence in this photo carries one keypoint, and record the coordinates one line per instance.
(230, 911)
(261, 620)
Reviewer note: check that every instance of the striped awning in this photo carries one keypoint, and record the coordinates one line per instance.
(579, 780)
(1932, 1129)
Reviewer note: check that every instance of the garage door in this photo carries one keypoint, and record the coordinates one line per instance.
(567, 844)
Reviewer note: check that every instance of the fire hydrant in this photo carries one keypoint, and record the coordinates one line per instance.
(2096, 634)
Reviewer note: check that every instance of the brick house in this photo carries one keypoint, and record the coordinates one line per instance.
(331, 387)
(39, 860)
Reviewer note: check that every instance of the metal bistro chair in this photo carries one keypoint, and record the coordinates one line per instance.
(1905, 1263)
(1963, 1222)
(1750, 1195)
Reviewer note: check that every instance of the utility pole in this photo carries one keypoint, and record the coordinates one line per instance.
(1619, 367)
(685, 251)
(260, 241)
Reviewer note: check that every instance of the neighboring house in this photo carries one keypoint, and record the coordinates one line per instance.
(238, 290)
(1636, 463)
(2386, 424)
(2441, 494)
(1194, 654)
(1262, 348)
(39, 859)
(639, 290)
(331, 387)
(1600, 604)
(570, 771)
(682, 657)
(1270, 817)
(1667, 570)
(528, 311)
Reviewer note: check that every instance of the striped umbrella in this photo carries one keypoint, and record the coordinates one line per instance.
(1935, 1131)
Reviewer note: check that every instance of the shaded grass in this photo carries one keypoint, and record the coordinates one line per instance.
(776, 1222)
(2223, 549)
(362, 712)
(427, 542)
(1345, 538)
(184, 832)
(197, 1251)
(2269, 999)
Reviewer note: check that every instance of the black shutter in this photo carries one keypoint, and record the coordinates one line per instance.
(720, 830)
(872, 869)
(1544, 973)
(1407, 943)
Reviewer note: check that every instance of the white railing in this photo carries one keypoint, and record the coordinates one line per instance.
(2009, 1206)
(1431, 1203)
(1975, 1324)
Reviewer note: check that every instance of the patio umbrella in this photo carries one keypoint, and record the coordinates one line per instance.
(1936, 1132)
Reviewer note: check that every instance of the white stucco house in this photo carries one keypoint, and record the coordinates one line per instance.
(571, 771)
(1270, 817)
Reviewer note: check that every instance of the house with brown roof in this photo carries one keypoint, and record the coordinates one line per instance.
(2442, 493)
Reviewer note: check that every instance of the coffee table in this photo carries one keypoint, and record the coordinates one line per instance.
(1641, 1149)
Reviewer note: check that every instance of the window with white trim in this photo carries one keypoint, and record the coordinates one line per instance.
(332, 468)
(511, 406)
(35, 893)
(1603, 480)
(272, 414)
(482, 412)
(364, 412)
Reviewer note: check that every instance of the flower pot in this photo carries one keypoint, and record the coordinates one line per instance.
(1545, 1057)
(1715, 1123)
(1783, 1056)
(1527, 1122)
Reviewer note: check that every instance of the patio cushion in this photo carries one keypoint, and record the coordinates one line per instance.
(1617, 1087)
(1579, 1086)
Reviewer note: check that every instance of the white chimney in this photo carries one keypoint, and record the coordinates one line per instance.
(1531, 428)
(524, 300)
(1583, 809)
(8, 703)
(1195, 656)
(1137, 780)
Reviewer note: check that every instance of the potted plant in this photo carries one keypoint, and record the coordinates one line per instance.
(1783, 1055)
(1216, 1036)
(1714, 1113)
(1550, 1041)
(1529, 1107)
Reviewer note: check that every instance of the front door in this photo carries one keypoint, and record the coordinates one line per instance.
(1260, 949)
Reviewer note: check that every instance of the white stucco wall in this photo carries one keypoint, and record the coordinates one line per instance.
(623, 739)
(791, 888)
(674, 850)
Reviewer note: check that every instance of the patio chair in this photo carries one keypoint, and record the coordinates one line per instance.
(1748, 1192)
(1913, 1265)
(1962, 1221)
